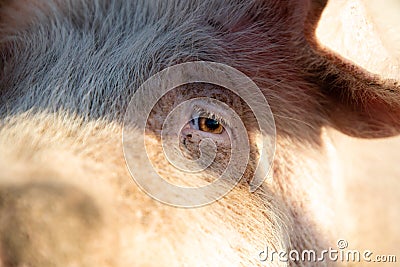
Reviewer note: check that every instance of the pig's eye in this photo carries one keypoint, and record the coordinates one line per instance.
(208, 125)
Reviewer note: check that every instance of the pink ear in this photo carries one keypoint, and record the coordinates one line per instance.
(359, 103)
(356, 102)
(312, 10)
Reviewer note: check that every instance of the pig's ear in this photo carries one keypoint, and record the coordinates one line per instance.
(357, 102)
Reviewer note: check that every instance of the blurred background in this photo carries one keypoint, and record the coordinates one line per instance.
(368, 33)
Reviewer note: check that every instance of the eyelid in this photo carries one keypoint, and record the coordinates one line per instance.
(200, 112)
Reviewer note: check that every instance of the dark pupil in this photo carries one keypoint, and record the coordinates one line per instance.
(212, 124)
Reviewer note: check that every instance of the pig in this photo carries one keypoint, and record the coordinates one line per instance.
(69, 71)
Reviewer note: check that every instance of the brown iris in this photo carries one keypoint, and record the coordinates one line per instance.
(210, 125)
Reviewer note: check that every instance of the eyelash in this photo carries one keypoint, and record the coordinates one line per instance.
(200, 112)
